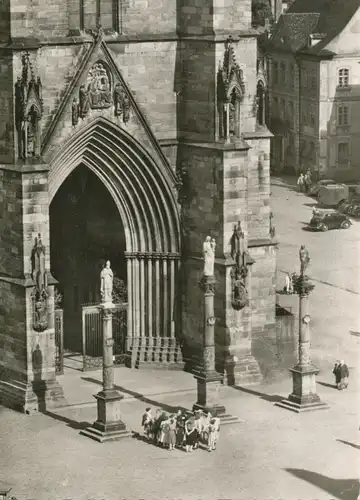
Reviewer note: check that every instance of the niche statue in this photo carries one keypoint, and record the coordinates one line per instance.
(209, 256)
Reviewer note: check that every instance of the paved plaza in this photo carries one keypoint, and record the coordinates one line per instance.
(271, 454)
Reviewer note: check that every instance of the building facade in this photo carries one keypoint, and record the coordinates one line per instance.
(313, 55)
(129, 132)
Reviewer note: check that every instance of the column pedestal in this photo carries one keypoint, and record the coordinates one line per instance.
(108, 426)
(304, 396)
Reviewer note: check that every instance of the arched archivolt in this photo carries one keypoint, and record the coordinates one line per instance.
(143, 194)
(140, 188)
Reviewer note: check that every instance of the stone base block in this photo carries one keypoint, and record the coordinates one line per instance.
(103, 437)
(33, 397)
(304, 396)
(301, 408)
(108, 426)
(242, 371)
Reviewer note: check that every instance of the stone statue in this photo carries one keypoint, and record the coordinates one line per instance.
(209, 256)
(126, 108)
(304, 259)
(75, 112)
(84, 103)
(106, 286)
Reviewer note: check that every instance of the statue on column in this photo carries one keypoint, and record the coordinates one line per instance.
(209, 256)
(106, 284)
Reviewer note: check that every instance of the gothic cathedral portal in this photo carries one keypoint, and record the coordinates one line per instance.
(131, 133)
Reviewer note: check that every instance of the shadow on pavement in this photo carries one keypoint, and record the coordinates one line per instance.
(140, 397)
(70, 423)
(272, 398)
(325, 384)
(353, 445)
(343, 489)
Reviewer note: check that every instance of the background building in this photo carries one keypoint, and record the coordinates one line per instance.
(314, 99)
(129, 132)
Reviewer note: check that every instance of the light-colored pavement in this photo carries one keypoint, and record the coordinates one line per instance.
(334, 268)
(271, 454)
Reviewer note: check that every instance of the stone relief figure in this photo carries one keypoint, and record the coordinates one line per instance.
(75, 112)
(84, 103)
(304, 259)
(28, 110)
(40, 293)
(232, 119)
(239, 271)
(209, 246)
(98, 87)
(106, 283)
(122, 103)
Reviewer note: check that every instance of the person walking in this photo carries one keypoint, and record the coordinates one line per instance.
(341, 372)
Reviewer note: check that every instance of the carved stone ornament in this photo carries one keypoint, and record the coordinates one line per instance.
(96, 92)
(75, 112)
(208, 284)
(122, 103)
(28, 110)
(239, 272)
(40, 293)
(229, 74)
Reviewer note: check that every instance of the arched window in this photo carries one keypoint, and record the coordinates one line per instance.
(275, 73)
(283, 72)
(343, 77)
(292, 76)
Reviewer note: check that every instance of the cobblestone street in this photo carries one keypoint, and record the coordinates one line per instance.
(271, 454)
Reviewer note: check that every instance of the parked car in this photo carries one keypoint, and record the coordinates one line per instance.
(322, 221)
(314, 190)
(332, 194)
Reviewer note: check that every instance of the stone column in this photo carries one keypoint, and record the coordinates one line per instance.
(108, 426)
(304, 396)
(208, 379)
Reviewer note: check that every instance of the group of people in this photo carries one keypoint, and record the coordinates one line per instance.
(304, 181)
(184, 430)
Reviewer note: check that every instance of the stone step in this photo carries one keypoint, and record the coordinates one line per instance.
(227, 419)
(102, 437)
(159, 365)
(297, 408)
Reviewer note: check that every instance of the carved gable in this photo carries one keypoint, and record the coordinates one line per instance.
(230, 75)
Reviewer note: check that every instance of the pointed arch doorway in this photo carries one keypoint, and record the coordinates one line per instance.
(125, 212)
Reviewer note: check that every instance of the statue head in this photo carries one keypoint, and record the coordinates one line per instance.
(208, 239)
(107, 265)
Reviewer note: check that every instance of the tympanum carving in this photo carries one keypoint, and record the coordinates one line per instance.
(28, 110)
(40, 293)
(96, 92)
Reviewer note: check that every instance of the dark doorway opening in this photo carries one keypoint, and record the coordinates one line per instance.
(85, 231)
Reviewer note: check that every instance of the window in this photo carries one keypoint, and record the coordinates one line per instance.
(282, 109)
(275, 109)
(312, 152)
(343, 77)
(304, 75)
(283, 73)
(343, 152)
(292, 76)
(312, 114)
(304, 116)
(291, 110)
(275, 76)
(343, 116)
(313, 79)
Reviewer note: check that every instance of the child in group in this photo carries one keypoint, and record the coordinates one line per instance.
(172, 433)
(191, 435)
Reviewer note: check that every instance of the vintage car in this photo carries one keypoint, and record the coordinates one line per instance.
(322, 221)
(314, 190)
(332, 194)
